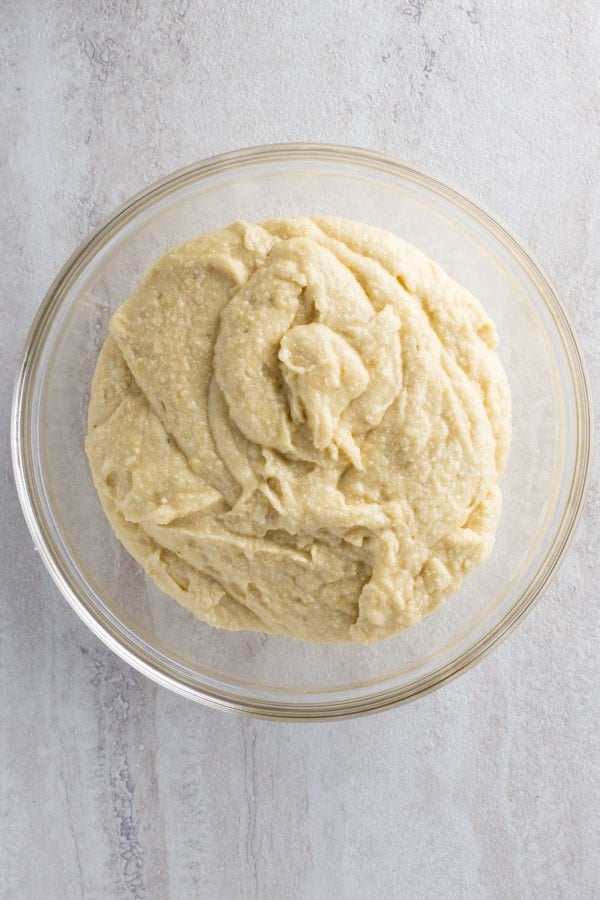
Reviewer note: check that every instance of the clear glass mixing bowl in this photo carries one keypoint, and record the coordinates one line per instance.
(544, 485)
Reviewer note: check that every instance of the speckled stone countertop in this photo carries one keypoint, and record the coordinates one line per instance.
(112, 787)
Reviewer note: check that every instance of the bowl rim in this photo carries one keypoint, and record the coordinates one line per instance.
(133, 653)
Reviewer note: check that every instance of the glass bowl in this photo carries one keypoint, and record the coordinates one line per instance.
(543, 487)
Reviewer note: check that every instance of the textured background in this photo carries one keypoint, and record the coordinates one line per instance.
(112, 787)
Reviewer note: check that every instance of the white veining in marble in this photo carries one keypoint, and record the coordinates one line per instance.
(111, 787)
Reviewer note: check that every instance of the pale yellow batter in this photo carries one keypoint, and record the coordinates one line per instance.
(299, 428)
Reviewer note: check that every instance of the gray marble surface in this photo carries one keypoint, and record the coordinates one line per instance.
(111, 787)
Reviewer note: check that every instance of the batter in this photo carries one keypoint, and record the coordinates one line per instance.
(299, 428)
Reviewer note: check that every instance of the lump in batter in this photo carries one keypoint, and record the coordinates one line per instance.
(299, 428)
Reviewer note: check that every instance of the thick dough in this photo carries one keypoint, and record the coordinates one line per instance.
(299, 428)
